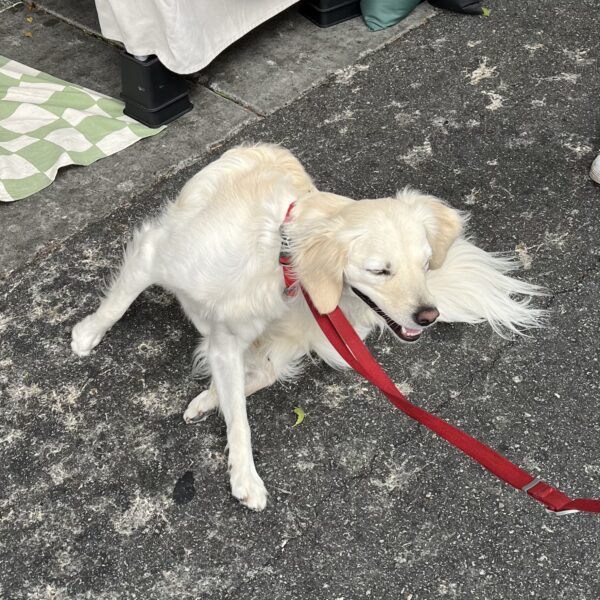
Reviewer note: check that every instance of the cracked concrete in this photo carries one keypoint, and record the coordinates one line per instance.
(107, 494)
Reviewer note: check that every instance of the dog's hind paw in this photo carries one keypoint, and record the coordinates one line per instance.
(86, 336)
(249, 489)
(200, 407)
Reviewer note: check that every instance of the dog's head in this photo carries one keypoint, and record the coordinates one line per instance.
(381, 249)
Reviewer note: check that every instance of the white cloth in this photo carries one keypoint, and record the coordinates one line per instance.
(185, 34)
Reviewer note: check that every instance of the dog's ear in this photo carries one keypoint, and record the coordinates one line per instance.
(320, 269)
(443, 225)
(319, 252)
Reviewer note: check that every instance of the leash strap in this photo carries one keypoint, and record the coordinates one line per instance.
(285, 258)
(351, 348)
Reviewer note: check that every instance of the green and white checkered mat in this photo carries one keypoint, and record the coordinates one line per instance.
(47, 123)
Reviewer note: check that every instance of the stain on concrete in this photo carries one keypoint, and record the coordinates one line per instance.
(185, 489)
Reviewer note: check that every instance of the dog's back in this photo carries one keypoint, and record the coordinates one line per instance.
(238, 174)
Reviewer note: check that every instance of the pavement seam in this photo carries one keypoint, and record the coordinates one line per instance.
(330, 76)
(72, 23)
(116, 44)
(418, 22)
(235, 100)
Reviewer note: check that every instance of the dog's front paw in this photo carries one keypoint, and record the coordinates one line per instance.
(249, 489)
(86, 336)
(200, 407)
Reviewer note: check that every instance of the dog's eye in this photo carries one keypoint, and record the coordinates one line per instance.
(382, 272)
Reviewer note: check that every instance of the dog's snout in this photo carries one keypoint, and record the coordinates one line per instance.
(426, 315)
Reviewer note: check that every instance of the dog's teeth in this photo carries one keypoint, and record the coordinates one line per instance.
(410, 332)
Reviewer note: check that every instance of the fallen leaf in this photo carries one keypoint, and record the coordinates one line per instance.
(300, 414)
(524, 256)
(485, 11)
(29, 19)
(28, 34)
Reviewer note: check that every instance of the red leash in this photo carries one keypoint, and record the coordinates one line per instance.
(351, 348)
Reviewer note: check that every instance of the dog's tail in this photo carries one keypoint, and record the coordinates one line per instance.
(472, 286)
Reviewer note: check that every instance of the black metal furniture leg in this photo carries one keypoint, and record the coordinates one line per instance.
(153, 95)
(326, 13)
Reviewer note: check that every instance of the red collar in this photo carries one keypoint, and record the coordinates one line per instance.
(285, 257)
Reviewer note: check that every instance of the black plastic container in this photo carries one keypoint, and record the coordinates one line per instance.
(326, 13)
(153, 95)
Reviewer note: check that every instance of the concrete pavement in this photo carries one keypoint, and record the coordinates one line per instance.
(107, 494)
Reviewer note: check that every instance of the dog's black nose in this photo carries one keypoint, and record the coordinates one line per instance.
(426, 315)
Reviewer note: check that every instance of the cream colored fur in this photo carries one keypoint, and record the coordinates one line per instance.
(217, 246)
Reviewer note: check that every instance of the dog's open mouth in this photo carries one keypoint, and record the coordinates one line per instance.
(404, 333)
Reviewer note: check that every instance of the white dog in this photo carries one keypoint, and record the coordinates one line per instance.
(398, 262)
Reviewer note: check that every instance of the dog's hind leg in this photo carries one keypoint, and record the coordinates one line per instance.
(259, 374)
(201, 406)
(134, 276)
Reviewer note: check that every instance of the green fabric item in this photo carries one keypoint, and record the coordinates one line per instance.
(379, 14)
(47, 123)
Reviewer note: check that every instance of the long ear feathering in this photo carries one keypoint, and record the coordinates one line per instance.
(443, 224)
(318, 253)
(472, 286)
(319, 261)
